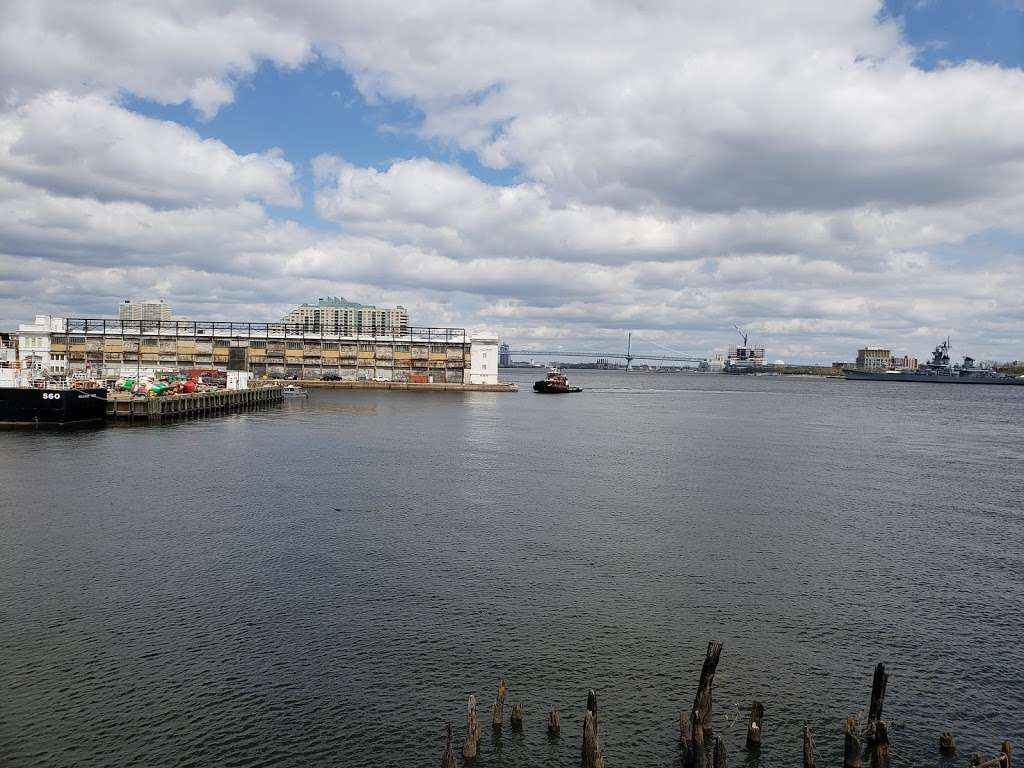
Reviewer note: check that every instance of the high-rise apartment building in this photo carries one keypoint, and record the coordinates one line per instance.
(348, 318)
(149, 309)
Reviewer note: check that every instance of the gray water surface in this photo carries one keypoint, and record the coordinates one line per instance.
(323, 583)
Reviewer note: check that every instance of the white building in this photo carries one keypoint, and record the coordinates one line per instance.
(483, 359)
(34, 346)
(155, 310)
(335, 315)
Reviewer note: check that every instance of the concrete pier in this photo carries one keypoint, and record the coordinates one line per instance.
(408, 385)
(123, 406)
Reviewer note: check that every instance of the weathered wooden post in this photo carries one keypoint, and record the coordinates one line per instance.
(686, 738)
(1007, 750)
(698, 748)
(516, 718)
(469, 746)
(498, 715)
(591, 753)
(878, 686)
(554, 723)
(448, 758)
(880, 746)
(702, 701)
(947, 745)
(718, 755)
(808, 747)
(851, 750)
(754, 729)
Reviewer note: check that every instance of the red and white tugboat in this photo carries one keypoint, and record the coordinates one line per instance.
(554, 384)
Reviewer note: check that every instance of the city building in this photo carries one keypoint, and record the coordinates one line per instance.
(874, 358)
(904, 363)
(336, 315)
(504, 356)
(108, 349)
(156, 310)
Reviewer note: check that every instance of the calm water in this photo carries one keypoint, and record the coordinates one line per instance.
(325, 582)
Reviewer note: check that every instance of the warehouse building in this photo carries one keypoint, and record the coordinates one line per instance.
(107, 349)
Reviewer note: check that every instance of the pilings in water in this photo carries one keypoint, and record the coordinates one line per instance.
(695, 730)
(754, 729)
(718, 753)
(699, 749)
(947, 745)
(1003, 760)
(472, 741)
(516, 718)
(498, 712)
(592, 755)
(878, 686)
(554, 723)
(880, 746)
(809, 752)
(851, 744)
(448, 758)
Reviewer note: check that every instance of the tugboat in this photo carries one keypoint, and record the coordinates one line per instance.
(938, 370)
(554, 384)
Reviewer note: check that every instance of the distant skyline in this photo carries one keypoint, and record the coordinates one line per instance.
(826, 175)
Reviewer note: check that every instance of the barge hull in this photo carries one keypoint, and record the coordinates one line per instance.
(30, 407)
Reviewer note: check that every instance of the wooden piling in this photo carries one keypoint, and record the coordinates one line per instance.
(809, 753)
(880, 746)
(702, 701)
(852, 748)
(591, 756)
(754, 729)
(718, 754)
(554, 723)
(686, 738)
(1007, 750)
(448, 758)
(498, 713)
(470, 745)
(516, 718)
(878, 686)
(947, 745)
(698, 746)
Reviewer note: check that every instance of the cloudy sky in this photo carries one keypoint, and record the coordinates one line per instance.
(825, 174)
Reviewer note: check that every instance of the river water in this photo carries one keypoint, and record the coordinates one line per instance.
(324, 582)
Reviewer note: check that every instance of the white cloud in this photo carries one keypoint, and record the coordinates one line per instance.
(87, 147)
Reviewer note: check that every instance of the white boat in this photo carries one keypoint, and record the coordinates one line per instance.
(294, 390)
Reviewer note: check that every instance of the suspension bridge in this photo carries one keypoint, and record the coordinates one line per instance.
(629, 355)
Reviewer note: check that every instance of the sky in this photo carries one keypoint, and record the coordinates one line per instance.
(825, 175)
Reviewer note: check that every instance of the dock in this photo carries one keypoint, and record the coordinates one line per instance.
(126, 407)
(502, 386)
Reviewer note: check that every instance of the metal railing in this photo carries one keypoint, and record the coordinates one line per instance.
(82, 326)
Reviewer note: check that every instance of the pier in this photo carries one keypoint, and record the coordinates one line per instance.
(501, 386)
(126, 407)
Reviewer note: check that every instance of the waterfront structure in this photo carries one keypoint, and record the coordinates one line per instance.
(483, 367)
(148, 309)
(904, 363)
(347, 318)
(504, 356)
(108, 349)
(873, 358)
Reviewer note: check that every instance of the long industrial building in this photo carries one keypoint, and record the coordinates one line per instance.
(105, 348)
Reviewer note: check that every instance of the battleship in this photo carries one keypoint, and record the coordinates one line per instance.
(938, 370)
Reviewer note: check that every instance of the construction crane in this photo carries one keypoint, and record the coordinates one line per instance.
(741, 333)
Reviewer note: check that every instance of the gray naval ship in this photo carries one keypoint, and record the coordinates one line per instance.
(938, 371)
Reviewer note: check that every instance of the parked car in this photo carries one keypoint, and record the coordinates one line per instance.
(331, 377)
